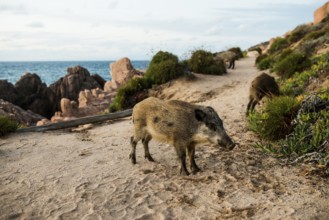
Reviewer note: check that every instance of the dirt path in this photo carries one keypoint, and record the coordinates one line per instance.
(87, 175)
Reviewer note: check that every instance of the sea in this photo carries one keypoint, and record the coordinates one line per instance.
(51, 71)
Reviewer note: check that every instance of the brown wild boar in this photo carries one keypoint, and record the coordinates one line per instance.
(180, 124)
(262, 85)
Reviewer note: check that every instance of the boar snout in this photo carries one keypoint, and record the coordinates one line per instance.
(227, 143)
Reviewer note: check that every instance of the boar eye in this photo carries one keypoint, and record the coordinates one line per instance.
(211, 126)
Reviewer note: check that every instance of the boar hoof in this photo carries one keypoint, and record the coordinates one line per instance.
(184, 172)
(149, 158)
(133, 158)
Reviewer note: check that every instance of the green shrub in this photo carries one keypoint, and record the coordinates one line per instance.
(125, 94)
(7, 125)
(292, 63)
(202, 61)
(265, 63)
(275, 120)
(314, 35)
(298, 33)
(164, 67)
(296, 84)
(278, 44)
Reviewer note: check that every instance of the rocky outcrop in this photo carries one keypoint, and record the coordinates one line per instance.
(90, 102)
(121, 72)
(8, 91)
(23, 117)
(35, 95)
(29, 93)
(76, 80)
(321, 13)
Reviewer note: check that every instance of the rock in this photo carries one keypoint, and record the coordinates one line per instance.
(8, 91)
(23, 117)
(121, 72)
(35, 96)
(252, 54)
(76, 80)
(321, 13)
(99, 79)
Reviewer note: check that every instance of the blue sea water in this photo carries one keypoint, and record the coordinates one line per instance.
(51, 71)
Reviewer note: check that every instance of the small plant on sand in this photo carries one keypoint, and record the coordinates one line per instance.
(275, 120)
(7, 125)
(203, 61)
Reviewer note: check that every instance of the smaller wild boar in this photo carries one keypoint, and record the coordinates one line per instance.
(262, 85)
(180, 124)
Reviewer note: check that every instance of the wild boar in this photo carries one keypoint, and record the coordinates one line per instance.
(180, 124)
(262, 85)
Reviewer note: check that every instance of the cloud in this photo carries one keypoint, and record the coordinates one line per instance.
(15, 9)
(36, 24)
(113, 5)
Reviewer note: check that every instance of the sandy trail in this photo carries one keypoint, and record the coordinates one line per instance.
(87, 175)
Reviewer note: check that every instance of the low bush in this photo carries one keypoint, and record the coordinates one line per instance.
(278, 44)
(292, 63)
(127, 95)
(203, 61)
(266, 62)
(298, 33)
(164, 67)
(274, 122)
(7, 125)
(296, 84)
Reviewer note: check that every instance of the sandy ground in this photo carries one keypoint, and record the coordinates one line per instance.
(87, 175)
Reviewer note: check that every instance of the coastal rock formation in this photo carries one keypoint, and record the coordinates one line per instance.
(321, 13)
(76, 80)
(23, 117)
(29, 93)
(90, 102)
(121, 72)
(34, 95)
(8, 91)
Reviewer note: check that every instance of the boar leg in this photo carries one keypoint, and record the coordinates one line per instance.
(181, 153)
(191, 153)
(132, 154)
(147, 154)
(251, 105)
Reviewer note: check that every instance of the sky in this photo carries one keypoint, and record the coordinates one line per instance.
(45, 30)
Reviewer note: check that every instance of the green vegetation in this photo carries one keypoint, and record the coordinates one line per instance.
(7, 125)
(274, 122)
(164, 67)
(297, 83)
(264, 62)
(295, 126)
(290, 64)
(202, 61)
(278, 44)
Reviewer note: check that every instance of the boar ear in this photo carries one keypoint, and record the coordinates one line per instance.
(199, 115)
